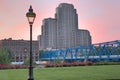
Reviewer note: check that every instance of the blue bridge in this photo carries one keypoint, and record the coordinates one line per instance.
(107, 51)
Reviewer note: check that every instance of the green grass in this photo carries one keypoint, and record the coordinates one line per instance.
(108, 72)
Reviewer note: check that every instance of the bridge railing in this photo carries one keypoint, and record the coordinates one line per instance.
(109, 51)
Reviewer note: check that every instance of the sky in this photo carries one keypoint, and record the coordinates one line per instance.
(100, 17)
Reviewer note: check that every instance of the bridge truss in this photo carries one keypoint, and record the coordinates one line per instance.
(107, 51)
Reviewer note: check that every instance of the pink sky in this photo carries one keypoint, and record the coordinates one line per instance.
(100, 17)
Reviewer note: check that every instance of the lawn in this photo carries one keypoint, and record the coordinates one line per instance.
(108, 72)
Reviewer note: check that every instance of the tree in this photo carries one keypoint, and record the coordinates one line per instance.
(26, 62)
(40, 53)
(5, 56)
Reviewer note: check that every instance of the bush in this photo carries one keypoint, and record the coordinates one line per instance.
(107, 63)
(6, 66)
(68, 64)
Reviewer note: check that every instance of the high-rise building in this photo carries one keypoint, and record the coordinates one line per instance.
(67, 25)
(48, 37)
(62, 32)
(83, 38)
(40, 39)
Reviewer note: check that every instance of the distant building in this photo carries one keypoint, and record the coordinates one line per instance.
(67, 25)
(62, 31)
(83, 38)
(48, 37)
(20, 49)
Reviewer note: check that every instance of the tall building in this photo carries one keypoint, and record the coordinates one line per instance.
(20, 49)
(83, 38)
(48, 37)
(40, 39)
(62, 32)
(67, 25)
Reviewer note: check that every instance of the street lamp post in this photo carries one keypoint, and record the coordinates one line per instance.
(31, 17)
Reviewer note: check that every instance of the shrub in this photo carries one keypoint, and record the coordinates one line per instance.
(107, 63)
(68, 64)
(6, 66)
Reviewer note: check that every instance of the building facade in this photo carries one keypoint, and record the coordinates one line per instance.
(67, 25)
(83, 38)
(20, 49)
(48, 37)
(62, 31)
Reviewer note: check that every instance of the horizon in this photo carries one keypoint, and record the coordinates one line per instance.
(100, 17)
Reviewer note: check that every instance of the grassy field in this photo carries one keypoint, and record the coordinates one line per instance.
(111, 72)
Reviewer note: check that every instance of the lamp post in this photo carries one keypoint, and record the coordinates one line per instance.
(31, 17)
